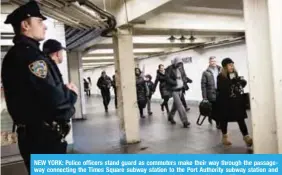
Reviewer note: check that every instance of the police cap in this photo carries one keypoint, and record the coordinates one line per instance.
(30, 9)
(51, 46)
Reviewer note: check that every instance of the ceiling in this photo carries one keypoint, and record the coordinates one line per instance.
(220, 4)
(206, 20)
(83, 19)
(151, 39)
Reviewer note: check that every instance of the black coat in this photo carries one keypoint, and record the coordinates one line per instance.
(171, 77)
(104, 83)
(150, 88)
(162, 87)
(230, 99)
(33, 85)
(141, 90)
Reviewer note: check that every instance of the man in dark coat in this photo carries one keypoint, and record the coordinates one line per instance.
(176, 79)
(104, 83)
(230, 100)
(209, 86)
(40, 104)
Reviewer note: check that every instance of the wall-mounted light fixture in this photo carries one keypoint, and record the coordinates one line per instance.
(172, 39)
(182, 39)
(192, 38)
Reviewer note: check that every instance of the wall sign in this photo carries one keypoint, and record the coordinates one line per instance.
(187, 60)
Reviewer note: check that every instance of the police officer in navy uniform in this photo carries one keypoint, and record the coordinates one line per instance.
(40, 105)
(54, 50)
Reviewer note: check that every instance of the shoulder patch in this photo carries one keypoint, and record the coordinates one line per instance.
(39, 68)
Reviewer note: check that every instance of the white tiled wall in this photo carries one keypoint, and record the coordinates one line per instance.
(194, 70)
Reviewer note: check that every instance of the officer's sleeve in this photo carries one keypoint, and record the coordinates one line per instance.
(49, 94)
(72, 96)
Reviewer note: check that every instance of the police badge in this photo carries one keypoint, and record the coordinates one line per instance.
(39, 68)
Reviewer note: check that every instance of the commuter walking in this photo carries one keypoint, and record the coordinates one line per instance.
(86, 86)
(209, 88)
(90, 85)
(165, 93)
(40, 105)
(104, 83)
(176, 78)
(230, 101)
(141, 91)
(185, 88)
(150, 85)
(115, 90)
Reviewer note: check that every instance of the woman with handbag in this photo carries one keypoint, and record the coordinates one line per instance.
(231, 107)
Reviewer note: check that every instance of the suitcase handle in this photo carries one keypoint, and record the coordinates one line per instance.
(202, 121)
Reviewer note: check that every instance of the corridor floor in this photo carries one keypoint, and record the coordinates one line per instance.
(100, 133)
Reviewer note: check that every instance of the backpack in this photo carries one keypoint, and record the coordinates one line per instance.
(205, 109)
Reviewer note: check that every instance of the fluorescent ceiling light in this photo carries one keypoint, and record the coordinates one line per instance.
(93, 64)
(102, 51)
(149, 50)
(6, 42)
(98, 58)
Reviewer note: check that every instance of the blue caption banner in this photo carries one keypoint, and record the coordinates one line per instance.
(173, 164)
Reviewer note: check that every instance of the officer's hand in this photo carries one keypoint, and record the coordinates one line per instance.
(72, 87)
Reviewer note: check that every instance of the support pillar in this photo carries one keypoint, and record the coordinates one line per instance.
(262, 76)
(75, 74)
(275, 24)
(126, 86)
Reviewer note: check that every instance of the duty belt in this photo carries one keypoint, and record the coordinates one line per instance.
(61, 130)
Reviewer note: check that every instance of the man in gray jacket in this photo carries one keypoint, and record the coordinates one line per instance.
(209, 86)
(176, 80)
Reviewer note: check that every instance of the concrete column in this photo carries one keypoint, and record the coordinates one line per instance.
(75, 74)
(275, 24)
(126, 89)
(261, 76)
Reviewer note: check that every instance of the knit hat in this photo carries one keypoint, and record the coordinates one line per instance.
(226, 61)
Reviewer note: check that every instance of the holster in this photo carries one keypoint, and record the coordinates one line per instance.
(59, 130)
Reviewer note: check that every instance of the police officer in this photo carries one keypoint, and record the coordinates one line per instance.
(54, 50)
(39, 104)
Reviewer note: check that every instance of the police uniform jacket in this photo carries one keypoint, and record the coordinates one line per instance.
(33, 86)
